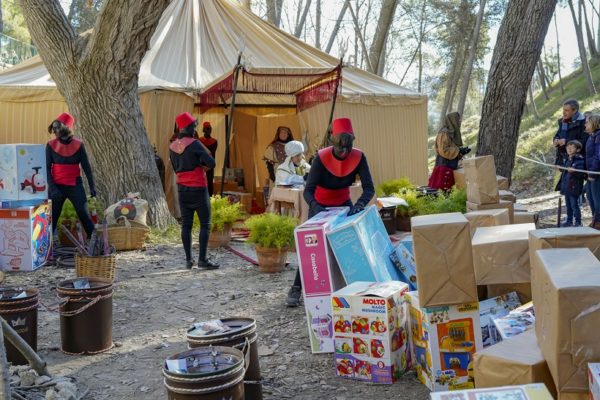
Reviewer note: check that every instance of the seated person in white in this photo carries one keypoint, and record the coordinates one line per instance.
(293, 170)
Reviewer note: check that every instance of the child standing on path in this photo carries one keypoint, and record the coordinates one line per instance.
(571, 182)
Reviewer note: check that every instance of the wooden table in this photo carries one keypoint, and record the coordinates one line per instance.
(292, 200)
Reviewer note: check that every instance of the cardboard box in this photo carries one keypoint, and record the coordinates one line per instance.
(371, 324)
(485, 218)
(442, 249)
(523, 290)
(508, 196)
(320, 275)
(594, 380)
(482, 187)
(25, 237)
(444, 340)
(566, 294)
(564, 238)
(573, 396)
(403, 259)
(501, 254)
(240, 197)
(535, 391)
(502, 183)
(518, 361)
(492, 308)
(502, 204)
(460, 180)
(23, 172)
(362, 248)
(526, 217)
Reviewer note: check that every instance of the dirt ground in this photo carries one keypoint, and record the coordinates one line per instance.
(156, 299)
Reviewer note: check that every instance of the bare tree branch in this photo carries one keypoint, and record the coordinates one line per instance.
(336, 27)
(302, 21)
(360, 37)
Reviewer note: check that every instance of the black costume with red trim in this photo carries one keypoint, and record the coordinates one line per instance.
(329, 180)
(63, 158)
(211, 144)
(189, 157)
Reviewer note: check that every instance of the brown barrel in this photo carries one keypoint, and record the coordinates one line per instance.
(22, 315)
(210, 373)
(241, 336)
(86, 316)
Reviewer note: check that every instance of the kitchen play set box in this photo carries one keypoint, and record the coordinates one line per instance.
(444, 340)
(534, 391)
(371, 331)
(25, 237)
(362, 248)
(320, 275)
(22, 174)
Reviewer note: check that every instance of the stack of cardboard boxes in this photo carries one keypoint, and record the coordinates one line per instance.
(25, 212)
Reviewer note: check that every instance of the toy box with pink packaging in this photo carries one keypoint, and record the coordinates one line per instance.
(25, 237)
(320, 275)
(23, 172)
(370, 325)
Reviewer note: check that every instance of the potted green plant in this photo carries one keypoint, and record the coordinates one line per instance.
(69, 218)
(273, 236)
(405, 212)
(223, 214)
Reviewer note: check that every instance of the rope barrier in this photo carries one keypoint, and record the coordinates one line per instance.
(558, 167)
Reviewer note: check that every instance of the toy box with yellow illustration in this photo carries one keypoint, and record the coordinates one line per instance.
(443, 341)
(370, 323)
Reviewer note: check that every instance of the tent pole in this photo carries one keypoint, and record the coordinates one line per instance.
(325, 142)
(229, 123)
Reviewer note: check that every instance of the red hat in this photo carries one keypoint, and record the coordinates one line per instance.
(206, 124)
(184, 120)
(66, 119)
(341, 125)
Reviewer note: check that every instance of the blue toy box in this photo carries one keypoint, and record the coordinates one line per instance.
(404, 260)
(362, 248)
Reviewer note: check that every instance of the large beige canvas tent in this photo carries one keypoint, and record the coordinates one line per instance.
(194, 49)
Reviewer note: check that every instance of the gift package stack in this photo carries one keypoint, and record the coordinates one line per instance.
(25, 211)
(472, 302)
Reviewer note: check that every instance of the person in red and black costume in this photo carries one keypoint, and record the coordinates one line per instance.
(64, 154)
(211, 144)
(190, 160)
(332, 172)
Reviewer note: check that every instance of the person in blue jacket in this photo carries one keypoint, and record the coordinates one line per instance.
(571, 182)
(592, 163)
(570, 127)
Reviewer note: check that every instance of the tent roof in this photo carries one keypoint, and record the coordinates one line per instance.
(197, 42)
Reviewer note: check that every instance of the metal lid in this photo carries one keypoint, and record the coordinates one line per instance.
(231, 326)
(204, 361)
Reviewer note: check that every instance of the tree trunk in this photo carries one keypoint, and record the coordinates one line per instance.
(360, 38)
(451, 82)
(336, 27)
(562, 87)
(516, 52)
(318, 25)
(588, 30)
(532, 102)
(542, 76)
(585, 66)
(384, 23)
(274, 12)
(300, 25)
(4, 370)
(466, 78)
(97, 76)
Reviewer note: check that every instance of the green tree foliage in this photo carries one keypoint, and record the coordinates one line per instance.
(83, 14)
(14, 22)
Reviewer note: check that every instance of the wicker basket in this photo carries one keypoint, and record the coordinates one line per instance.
(96, 266)
(127, 235)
